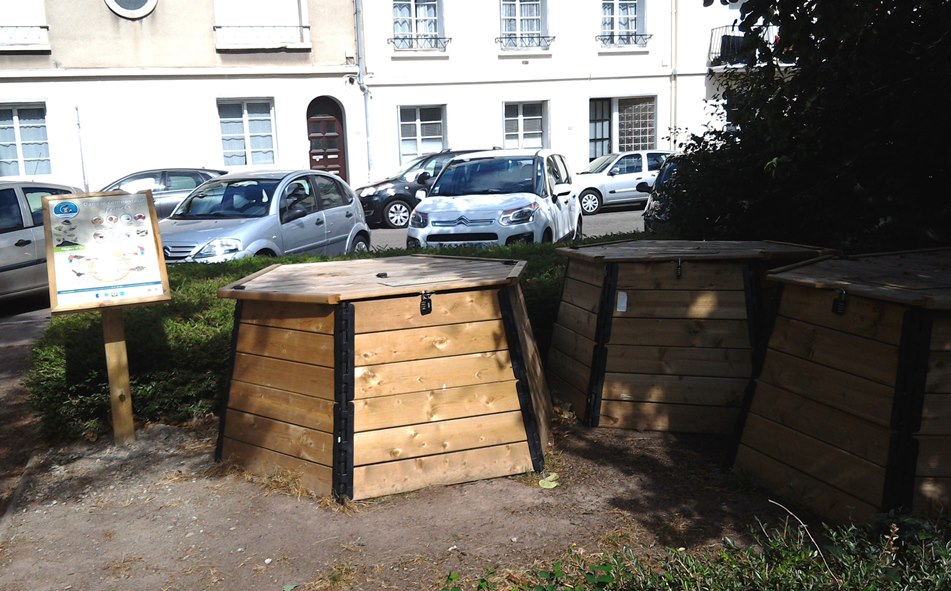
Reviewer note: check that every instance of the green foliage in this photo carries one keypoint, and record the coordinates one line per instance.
(838, 130)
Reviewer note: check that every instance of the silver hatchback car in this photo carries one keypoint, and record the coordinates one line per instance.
(22, 240)
(267, 214)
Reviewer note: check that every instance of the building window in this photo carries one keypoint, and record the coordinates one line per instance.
(421, 131)
(525, 125)
(637, 122)
(23, 27)
(247, 132)
(524, 25)
(132, 9)
(251, 25)
(622, 23)
(417, 25)
(599, 128)
(24, 146)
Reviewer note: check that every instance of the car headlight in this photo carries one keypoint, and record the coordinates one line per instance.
(219, 247)
(519, 215)
(419, 219)
(384, 189)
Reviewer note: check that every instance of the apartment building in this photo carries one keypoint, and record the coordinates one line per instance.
(93, 89)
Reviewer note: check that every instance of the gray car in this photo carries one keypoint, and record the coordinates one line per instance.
(168, 185)
(266, 214)
(22, 240)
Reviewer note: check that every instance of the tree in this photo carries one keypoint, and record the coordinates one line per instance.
(838, 129)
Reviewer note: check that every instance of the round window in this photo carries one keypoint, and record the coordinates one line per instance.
(132, 8)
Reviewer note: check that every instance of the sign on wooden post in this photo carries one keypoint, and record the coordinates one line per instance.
(103, 251)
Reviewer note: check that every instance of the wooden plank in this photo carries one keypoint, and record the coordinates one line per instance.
(936, 415)
(685, 361)
(434, 405)
(678, 418)
(791, 485)
(287, 407)
(694, 275)
(291, 440)
(859, 356)
(939, 372)
(853, 394)
(264, 462)
(838, 468)
(674, 389)
(941, 333)
(403, 312)
(430, 374)
(571, 344)
(934, 456)
(573, 371)
(588, 272)
(117, 368)
(872, 319)
(932, 496)
(302, 378)
(429, 342)
(452, 468)
(680, 332)
(843, 430)
(290, 315)
(290, 345)
(534, 368)
(577, 320)
(427, 439)
(583, 295)
(658, 303)
(563, 392)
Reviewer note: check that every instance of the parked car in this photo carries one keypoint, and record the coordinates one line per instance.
(22, 240)
(657, 209)
(612, 179)
(498, 197)
(389, 202)
(169, 186)
(266, 214)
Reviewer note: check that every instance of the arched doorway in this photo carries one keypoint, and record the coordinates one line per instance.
(325, 129)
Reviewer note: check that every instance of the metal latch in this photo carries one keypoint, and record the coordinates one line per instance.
(425, 303)
(839, 304)
(680, 269)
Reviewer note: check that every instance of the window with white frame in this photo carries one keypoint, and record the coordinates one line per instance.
(252, 24)
(24, 146)
(622, 23)
(247, 132)
(637, 122)
(417, 25)
(525, 125)
(421, 131)
(23, 26)
(524, 24)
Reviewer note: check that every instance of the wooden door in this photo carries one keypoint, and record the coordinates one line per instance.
(325, 131)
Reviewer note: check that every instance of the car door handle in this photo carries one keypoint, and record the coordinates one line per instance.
(349, 214)
(319, 222)
(22, 242)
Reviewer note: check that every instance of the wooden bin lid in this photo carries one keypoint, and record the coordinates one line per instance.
(336, 281)
(666, 250)
(916, 278)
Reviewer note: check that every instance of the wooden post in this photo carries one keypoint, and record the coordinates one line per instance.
(117, 364)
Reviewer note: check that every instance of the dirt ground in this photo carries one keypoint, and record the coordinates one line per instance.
(160, 514)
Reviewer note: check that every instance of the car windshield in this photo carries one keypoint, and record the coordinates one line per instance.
(489, 176)
(666, 173)
(243, 198)
(409, 168)
(599, 164)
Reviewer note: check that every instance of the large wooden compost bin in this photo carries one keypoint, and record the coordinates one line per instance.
(662, 335)
(851, 414)
(378, 376)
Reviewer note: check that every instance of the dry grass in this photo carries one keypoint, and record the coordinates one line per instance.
(341, 576)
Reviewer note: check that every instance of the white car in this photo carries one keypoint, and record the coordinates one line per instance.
(498, 197)
(612, 179)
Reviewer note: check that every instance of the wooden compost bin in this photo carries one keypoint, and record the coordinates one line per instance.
(378, 376)
(662, 335)
(851, 414)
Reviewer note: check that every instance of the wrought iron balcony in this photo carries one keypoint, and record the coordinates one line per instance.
(419, 42)
(728, 45)
(530, 41)
(623, 39)
(25, 38)
(252, 37)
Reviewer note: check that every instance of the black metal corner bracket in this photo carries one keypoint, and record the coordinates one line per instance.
(602, 334)
(342, 469)
(223, 397)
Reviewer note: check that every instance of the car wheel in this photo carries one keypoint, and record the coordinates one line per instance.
(360, 244)
(265, 253)
(590, 202)
(396, 214)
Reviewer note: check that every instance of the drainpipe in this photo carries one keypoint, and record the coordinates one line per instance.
(82, 159)
(674, 41)
(361, 78)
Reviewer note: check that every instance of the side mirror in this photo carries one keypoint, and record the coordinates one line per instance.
(424, 178)
(560, 190)
(294, 213)
(614, 171)
(644, 187)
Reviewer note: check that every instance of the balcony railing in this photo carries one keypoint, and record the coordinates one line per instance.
(623, 39)
(25, 38)
(530, 41)
(728, 45)
(252, 37)
(419, 42)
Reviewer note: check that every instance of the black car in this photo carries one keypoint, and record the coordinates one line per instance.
(389, 202)
(657, 210)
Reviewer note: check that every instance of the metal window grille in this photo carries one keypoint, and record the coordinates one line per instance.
(523, 24)
(599, 128)
(416, 25)
(247, 132)
(621, 23)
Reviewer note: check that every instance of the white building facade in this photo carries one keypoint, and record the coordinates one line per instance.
(91, 90)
